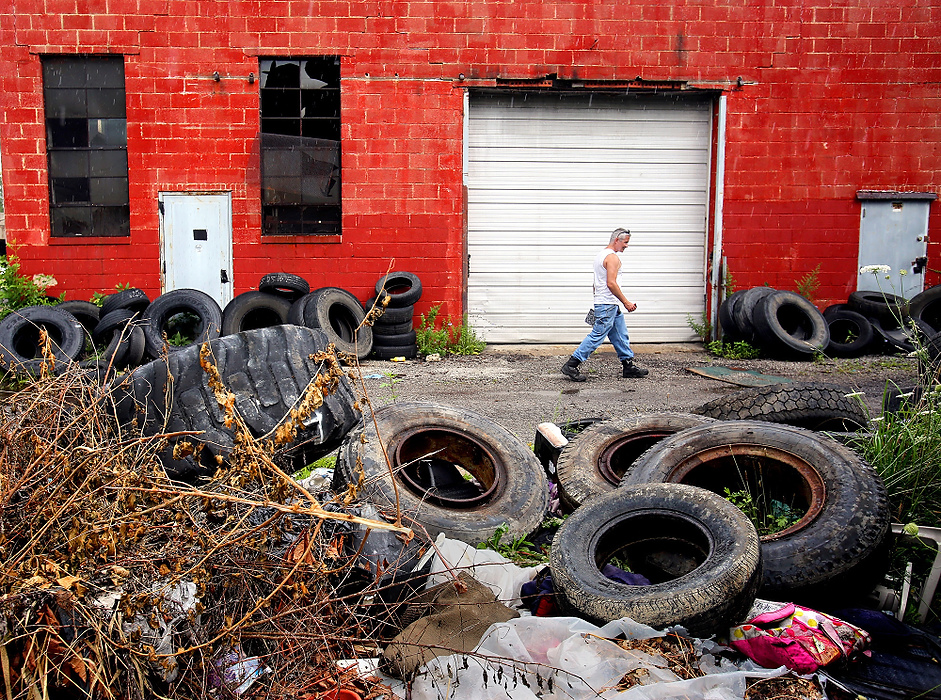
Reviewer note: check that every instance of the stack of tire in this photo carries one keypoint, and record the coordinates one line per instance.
(781, 323)
(876, 321)
(393, 332)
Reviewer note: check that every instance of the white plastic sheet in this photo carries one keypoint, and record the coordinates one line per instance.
(566, 658)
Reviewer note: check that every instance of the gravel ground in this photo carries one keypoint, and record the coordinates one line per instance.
(520, 386)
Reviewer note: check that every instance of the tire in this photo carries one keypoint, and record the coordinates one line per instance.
(134, 299)
(404, 288)
(387, 352)
(85, 313)
(837, 550)
(509, 485)
(897, 399)
(163, 311)
(743, 310)
(595, 460)
(113, 322)
(392, 315)
(883, 307)
(20, 346)
(114, 333)
(802, 404)
(730, 330)
(339, 314)
(850, 333)
(251, 310)
(708, 551)
(267, 369)
(905, 338)
(836, 308)
(136, 347)
(387, 339)
(930, 366)
(386, 329)
(296, 312)
(284, 284)
(926, 306)
(788, 324)
(548, 454)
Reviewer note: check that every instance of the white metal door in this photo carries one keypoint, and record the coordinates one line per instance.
(550, 177)
(893, 231)
(196, 238)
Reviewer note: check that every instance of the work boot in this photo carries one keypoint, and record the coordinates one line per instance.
(632, 371)
(570, 370)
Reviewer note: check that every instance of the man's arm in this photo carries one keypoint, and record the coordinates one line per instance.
(612, 263)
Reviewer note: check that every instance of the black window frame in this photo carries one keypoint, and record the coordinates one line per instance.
(85, 111)
(300, 146)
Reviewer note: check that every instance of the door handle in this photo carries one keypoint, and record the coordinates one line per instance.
(224, 276)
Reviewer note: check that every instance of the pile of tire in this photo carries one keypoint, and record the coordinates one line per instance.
(879, 322)
(393, 332)
(647, 491)
(781, 323)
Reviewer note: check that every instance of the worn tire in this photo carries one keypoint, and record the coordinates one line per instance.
(884, 307)
(930, 365)
(339, 314)
(745, 307)
(926, 306)
(284, 284)
(387, 352)
(85, 313)
(298, 307)
(787, 324)
(392, 315)
(114, 331)
(595, 460)
(850, 333)
(906, 338)
(250, 310)
(803, 404)
(134, 299)
(164, 308)
(710, 544)
(267, 369)
(387, 329)
(387, 339)
(404, 288)
(20, 347)
(836, 550)
(510, 485)
(835, 308)
(730, 329)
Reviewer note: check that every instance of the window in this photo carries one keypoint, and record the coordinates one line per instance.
(86, 145)
(300, 146)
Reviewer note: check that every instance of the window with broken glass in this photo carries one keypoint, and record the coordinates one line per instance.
(300, 145)
(86, 145)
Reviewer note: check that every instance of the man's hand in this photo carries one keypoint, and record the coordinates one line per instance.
(630, 306)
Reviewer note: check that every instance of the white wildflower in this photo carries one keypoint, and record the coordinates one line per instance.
(874, 269)
(43, 282)
(902, 273)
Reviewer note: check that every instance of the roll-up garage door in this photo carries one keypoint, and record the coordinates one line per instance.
(549, 177)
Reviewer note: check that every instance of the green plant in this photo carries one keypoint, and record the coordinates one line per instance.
(17, 291)
(730, 284)
(182, 328)
(328, 462)
(448, 339)
(767, 516)
(98, 297)
(519, 550)
(393, 380)
(808, 285)
(739, 350)
(702, 328)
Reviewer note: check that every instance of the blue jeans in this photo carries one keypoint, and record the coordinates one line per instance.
(609, 321)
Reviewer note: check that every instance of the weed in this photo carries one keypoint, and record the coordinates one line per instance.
(447, 339)
(739, 350)
(767, 517)
(808, 285)
(519, 550)
(393, 380)
(97, 298)
(17, 291)
(328, 462)
(702, 328)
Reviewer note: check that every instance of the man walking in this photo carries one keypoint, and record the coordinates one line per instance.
(609, 320)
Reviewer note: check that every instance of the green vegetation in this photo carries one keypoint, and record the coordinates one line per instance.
(17, 291)
(702, 327)
(808, 285)
(739, 350)
(768, 517)
(444, 337)
(520, 550)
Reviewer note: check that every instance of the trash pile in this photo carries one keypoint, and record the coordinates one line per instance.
(154, 541)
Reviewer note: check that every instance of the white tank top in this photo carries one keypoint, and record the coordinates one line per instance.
(603, 295)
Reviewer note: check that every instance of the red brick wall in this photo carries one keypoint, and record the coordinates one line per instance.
(832, 99)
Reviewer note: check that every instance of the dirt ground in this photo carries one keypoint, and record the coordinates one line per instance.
(520, 386)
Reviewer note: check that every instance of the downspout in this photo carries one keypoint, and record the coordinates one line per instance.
(715, 283)
(465, 258)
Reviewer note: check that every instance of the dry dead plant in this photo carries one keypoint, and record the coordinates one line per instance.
(116, 582)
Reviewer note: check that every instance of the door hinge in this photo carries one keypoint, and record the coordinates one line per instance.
(160, 207)
(224, 276)
(919, 264)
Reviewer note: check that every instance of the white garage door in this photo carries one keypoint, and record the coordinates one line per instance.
(550, 177)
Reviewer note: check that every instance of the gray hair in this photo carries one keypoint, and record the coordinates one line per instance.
(618, 234)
